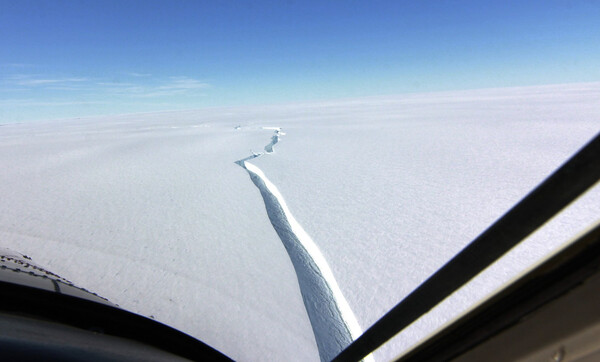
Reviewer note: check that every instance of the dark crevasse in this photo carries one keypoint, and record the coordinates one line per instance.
(333, 323)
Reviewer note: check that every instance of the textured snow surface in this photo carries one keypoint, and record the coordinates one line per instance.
(151, 212)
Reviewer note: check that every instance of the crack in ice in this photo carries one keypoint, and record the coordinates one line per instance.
(333, 322)
(274, 139)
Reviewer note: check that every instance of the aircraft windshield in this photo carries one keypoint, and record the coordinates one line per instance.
(272, 178)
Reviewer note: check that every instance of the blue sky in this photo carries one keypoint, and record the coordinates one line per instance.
(81, 58)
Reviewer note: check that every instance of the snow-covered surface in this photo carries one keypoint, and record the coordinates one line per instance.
(152, 212)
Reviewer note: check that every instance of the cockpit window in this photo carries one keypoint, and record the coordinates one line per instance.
(273, 177)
